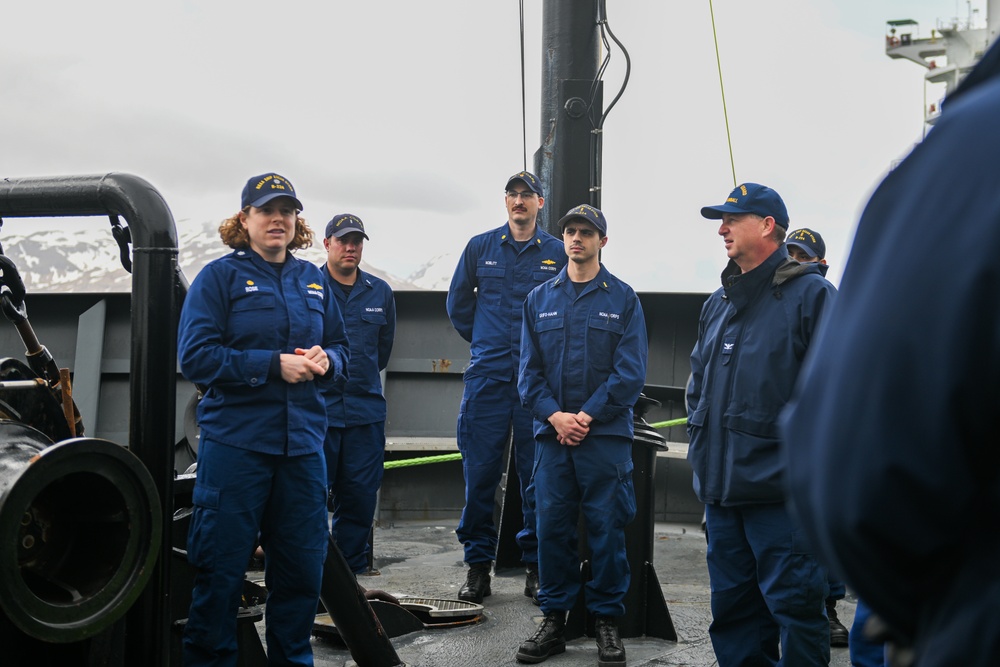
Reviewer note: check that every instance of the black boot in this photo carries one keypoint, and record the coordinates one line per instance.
(610, 652)
(549, 639)
(838, 633)
(531, 582)
(477, 583)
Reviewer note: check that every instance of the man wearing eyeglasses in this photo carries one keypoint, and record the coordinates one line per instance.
(494, 275)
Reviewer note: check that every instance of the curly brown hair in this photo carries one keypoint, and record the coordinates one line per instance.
(235, 235)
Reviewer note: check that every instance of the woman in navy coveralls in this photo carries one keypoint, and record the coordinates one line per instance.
(259, 334)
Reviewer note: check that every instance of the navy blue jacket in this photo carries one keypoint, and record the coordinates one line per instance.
(894, 457)
(752, 337)
(370, 318)
(237, 315)
(585, 352)
(487, 295)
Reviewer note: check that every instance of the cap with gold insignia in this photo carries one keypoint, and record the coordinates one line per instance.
(261, 189)
(588, 213)
(345, 223)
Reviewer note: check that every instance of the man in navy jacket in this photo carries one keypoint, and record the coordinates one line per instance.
(494, 275)
(583, 366)
(355, 437)
(894, 461)
(753, 335)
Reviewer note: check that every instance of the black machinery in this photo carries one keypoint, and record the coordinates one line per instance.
(80, 516)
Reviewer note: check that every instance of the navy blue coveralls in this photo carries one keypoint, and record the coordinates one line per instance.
(485, 303)
(583, 353)
(905, 384)
(260, 460)
(767, 585)
(355, 437)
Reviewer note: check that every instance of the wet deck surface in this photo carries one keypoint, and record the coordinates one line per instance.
(425, 560)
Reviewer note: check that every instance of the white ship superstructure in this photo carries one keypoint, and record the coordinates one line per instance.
(948, 54)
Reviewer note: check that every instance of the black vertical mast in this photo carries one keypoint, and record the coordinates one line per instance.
(572, 102)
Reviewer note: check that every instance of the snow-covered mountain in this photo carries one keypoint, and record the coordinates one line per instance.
(82, 260)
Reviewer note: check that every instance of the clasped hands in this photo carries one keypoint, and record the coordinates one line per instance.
(304, 365)
(571, 428)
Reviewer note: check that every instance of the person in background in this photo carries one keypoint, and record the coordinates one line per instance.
(494, 275)
(355, 437)
(262, 337)
(904, 385)
(806, 246)
(768, 588)
(583, 366)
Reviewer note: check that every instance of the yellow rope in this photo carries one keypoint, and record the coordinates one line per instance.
(725, 114)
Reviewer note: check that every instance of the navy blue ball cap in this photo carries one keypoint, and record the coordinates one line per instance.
(751, 198)
(261, 189)
(588, 213)
(533, 182)
(345, 223)
(811, 242)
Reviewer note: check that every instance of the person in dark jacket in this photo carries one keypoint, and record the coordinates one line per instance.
(894, 458)
(261, 335)
(494, 275)
(583, 366)
(753, 334)
(355, 437)
(806, 246)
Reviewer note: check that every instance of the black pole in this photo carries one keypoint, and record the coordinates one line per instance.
(156, 293)
(571, 99)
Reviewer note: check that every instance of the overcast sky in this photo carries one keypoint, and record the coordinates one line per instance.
(409, 113)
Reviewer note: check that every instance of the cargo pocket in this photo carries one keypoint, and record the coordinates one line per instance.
(626, 494)
(202, 535)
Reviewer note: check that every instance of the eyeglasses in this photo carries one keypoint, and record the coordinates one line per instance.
(514, 194)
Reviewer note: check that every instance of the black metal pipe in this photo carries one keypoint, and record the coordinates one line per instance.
(570, 58)
(156, 295)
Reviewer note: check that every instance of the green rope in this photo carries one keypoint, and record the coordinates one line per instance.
(421, 460)
(670, 422)
(441, 458)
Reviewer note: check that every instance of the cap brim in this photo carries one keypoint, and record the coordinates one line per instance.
(345, 232)
(257, 203)
(715, 212)
(804, 249)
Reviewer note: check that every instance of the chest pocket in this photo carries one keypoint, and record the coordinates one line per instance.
(603, 323)
(550, 332)
(317, 315)
(251, 315)
(371, 325)
(549, 324)
(489, 281)
(252, 301)
(603, 334)
(541, 276)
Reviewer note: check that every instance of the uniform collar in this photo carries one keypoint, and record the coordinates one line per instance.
(603, 280)
(507, 237)
(742, 288)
